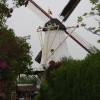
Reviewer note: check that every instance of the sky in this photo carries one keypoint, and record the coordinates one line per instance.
(25, 22)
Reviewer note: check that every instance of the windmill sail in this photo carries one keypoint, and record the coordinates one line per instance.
(55, 46)
(38, 57)
(38, 11)
(69, 9)
(83, 43)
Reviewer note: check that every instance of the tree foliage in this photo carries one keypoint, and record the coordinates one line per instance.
(15, 54)
(94, 13)
(74, 80)
(5, 11)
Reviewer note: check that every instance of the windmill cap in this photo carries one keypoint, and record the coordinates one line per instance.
(54, 24)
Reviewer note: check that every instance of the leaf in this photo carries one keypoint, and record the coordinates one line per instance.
(93, 1)
(80, 19)
(83, 24)
(96, 31)
(92, 13)
(91, 28)
(98, 41)
(98, 6)
(85, 14)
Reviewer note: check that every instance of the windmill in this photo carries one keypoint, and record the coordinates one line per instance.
(54, 44)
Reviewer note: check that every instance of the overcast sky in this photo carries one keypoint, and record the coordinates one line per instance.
(25, 22)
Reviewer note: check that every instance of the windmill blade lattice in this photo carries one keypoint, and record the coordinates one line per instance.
(38, 11)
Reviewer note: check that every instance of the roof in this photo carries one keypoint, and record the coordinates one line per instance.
(26, 88)
(55, 22)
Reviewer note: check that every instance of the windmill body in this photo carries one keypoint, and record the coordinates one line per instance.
(55, 45)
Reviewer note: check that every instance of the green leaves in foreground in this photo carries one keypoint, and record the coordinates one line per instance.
(74, 80)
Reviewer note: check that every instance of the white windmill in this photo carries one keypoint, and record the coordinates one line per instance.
(54, 45)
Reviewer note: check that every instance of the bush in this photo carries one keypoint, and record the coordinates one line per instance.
(74, 80)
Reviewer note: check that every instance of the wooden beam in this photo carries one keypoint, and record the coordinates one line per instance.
(72, 4)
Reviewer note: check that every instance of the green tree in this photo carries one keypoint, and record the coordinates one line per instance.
(73, 80)
(93, 13)
(5, 11)
(15, 54)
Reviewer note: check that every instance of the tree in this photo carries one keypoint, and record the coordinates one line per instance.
(94, 13)
(73, 80)
(5, 11)
(15, 57)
